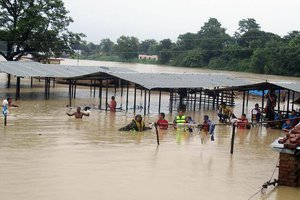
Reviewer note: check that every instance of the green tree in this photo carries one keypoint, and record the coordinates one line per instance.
(249, 24)
(127, 47)
(212, 39)
(165, 51)
(106, 46)
(148, 47)
(38, 27)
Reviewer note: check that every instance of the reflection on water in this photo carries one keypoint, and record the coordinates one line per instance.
(44, 154)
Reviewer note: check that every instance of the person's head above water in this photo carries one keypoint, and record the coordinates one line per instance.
(180, 112)
(138, 117)
(78, 109)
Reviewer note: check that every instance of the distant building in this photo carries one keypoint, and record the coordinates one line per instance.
(148, 57)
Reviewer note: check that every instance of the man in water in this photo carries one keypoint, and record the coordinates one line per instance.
(78, 114)
(137, 124)
(113, 104)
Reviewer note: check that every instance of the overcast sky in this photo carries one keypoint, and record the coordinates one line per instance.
(161, 19)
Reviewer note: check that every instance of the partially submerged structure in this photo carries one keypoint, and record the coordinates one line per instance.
(192, 89)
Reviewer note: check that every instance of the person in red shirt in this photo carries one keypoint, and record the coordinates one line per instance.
(162, 122)
(112, 105)
(243, 122)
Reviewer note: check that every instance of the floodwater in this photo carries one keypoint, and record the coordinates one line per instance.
(44, 154)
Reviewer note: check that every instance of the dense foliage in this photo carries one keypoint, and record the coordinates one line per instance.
(36, 27)
(249, 50)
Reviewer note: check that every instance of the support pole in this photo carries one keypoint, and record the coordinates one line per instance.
(31, 82)
(159, 101)
(75, 87)
(18, 88)
(263, 99)
(244, 95)
(157, 135)
(127, 91)
(247, 102)
(232, 138)
(278, 100)
(8, 80)
(94, 88)
(288, 103)
(145, 102)
(171, 101)
(70, 94)
(149, 97)
(91, 88)
(100, 94)
(195, 96)
(293, 100)
(134, 99)
(200, 99)
(106, 94)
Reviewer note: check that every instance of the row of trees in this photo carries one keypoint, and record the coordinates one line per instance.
(40, 28)
(250, 49)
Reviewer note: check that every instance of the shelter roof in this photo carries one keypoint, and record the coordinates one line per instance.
(35, 69)
(184, 80)
(293, 86)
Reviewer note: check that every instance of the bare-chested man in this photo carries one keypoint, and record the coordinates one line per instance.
(78, 114)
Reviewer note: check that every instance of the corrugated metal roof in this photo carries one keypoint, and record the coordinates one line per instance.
(293, 86)
(34, 69)
(185, 80)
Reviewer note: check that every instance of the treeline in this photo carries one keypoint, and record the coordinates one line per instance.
(249, 50)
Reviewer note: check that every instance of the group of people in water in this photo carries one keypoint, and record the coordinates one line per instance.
(225, 114)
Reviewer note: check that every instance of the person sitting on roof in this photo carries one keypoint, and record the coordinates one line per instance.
(137, 124)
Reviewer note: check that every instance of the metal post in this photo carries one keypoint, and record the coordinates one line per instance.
(94, 88)
(134, 99)
(288, 103)
(278, 100)
(8, 80)
(149, 95)
(171, 101)
(214, 97)
(31, 82)
(91, 88)
(106, 94)
(127, 91)
(100, 94)
(195, 96)
(75, 86)
(293, 100)
(244, 95)
(232, 100)
(145, 102)
(159, 101)
(70, 94)
(232, 138)
(263, 99)
(18, 88)
(200, 99)
(247, 102)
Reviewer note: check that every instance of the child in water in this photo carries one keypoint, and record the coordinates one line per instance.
(190, 123)
(208, 127)
(162, 122)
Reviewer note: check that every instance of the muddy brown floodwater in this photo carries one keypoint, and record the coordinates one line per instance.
(44, 154)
